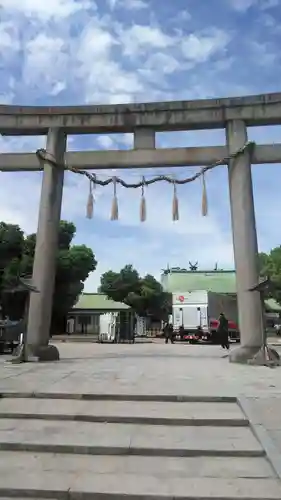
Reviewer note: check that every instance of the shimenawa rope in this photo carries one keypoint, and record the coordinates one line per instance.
(43, 156)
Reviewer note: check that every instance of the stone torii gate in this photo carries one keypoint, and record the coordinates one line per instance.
(144, 120)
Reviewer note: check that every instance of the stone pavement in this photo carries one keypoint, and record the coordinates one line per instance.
(141, 369)
(149, 420)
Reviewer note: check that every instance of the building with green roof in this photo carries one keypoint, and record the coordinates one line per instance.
(176, 280)
(98, 302)
(85, 314)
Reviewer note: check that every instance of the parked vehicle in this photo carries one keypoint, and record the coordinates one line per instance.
(195, 315)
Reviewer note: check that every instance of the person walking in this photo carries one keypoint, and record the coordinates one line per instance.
(171, 334)
(223, 331)
(168, 333)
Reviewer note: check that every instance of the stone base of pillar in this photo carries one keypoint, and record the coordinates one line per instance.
(44, 352)
(258, 356)
(35, 353)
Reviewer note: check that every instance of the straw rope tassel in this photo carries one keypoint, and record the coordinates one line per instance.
(90, 202)
(143, 203)
(114, 207)
(204, 197)
(175, 211)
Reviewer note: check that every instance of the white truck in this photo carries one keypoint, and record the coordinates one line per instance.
(195, 314)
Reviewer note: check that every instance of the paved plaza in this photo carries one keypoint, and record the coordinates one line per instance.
(149, 368)
(149, 419)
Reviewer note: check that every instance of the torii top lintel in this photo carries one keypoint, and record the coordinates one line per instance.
(258, 110)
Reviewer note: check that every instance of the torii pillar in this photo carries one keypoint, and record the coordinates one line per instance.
(44, 267)
(245, 245)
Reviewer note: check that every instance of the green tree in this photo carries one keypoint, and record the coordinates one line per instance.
(263, 263)
(74, 264)
(11, 250)
(145, 295)
(118, 286)
(270, 266)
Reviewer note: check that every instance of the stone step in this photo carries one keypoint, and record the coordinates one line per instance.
(111, 439)
(77, 477)
(233, 467)
(145, 412)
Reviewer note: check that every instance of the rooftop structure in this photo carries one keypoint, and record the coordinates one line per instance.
(181, 280)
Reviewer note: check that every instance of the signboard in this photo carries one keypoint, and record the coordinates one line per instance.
(194, 297)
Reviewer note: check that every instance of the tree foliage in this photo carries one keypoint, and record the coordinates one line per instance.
(270, 266)
(74, 263)
(145, 295)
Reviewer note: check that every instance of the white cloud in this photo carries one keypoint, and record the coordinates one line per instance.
(242, 5)
(95, 42)
(6, 98)
(45, 10)
(45, 61)
(183, 16)
(161, 62)
(112, 3)
(200, 48)
(135, 4)
(264, 53)
(104, 78)
(21, 144)
(9, 39)
(13, 206)
(105, 142)
(127, 4)
(92, 61)
(142, 38)
(58, 87)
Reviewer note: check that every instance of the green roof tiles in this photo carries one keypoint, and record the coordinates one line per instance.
(99, 301)
(212, 281)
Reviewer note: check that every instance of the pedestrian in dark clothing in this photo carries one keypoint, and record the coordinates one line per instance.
(169, 333)
(223, 331)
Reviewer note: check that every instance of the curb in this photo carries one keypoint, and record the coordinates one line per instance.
(70, 494)
(165, 398)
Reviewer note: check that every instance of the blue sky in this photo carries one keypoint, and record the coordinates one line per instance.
(114, 51)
